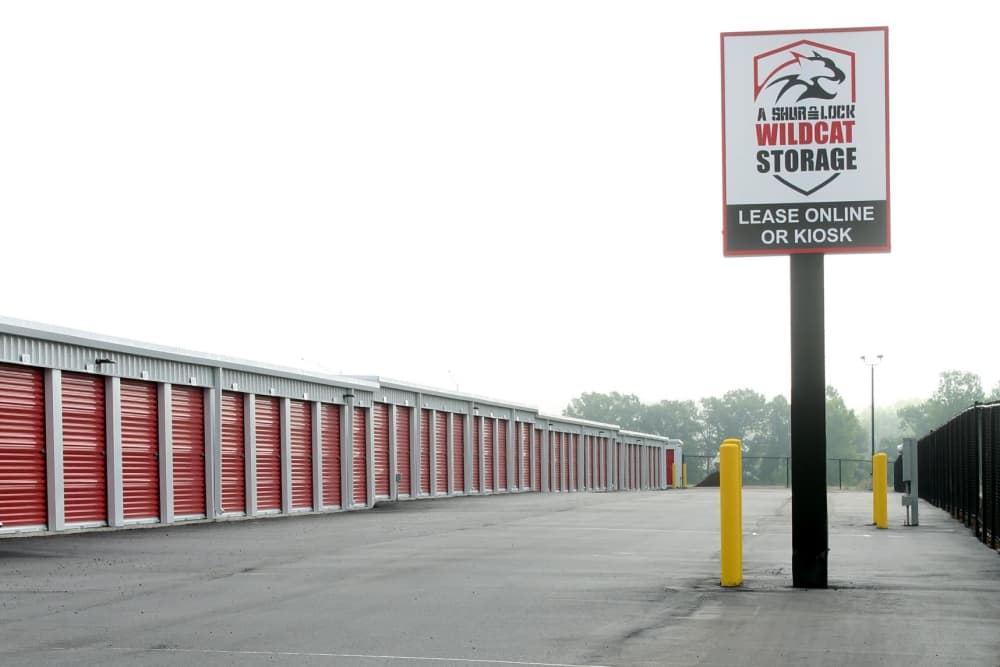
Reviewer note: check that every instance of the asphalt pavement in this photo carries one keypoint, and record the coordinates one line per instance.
(614, 579)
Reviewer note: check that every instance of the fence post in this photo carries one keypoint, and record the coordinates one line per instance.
(880, 499)
(840, 473)
(980, 528)
(731, 510)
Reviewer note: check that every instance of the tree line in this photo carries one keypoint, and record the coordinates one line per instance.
(764, 425)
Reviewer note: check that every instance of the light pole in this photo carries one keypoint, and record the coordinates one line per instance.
(872, 364)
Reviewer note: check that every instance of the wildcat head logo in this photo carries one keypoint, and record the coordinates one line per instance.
(814, 73)
(804, 71)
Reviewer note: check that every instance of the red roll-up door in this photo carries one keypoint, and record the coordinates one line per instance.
(518, 480)
(476, 427)
(591, 460)
(595, 471)
(654, 457)
(630, 458)
(525, 456)
(425, 451)
(602, 466)
(84, 455)
(616, 451)
(619, 457)
(647, 456)
(234, 482)
(620, 465)
(636, 471)
(635, 466)
(627, 466)
(631, 467)
(537, 477)
(515, 446)
(564, 461)
(641, 465)
(623, 462)
(381, 449)
(502, 452)
(360, 454)
(300, 413)
(555, 440)
(441, 451)
(22, 447)
(140, 450)
(567, 446)
(597, 463)
(188, 424)
(651, 482)
(403, 449)
(268, 425)
(670, 469)
(574, 463)
(489, 453)
(458, 451)
(330, 434)
(640, 455)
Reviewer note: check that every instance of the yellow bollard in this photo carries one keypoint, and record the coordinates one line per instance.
(684, 476)
(880, 492)
(731, 510)
(677, 479)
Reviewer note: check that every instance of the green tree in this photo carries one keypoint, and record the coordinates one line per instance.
(845, 437)
(625, 410)
(889, 432)
(956, 391)
(777, 445)
(763, 426)
(676, 419)
(779, 428)
(739, 413)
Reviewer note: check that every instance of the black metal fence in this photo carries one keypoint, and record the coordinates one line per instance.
(776, 471)
(958, 470)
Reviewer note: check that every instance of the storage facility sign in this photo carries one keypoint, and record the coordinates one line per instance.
(805, 126)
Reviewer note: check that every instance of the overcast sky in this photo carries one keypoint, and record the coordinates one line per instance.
(515, 199)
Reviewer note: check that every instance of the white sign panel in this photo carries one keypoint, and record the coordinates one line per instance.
(805, 141)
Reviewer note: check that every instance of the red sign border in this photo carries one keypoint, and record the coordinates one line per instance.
(799, 251)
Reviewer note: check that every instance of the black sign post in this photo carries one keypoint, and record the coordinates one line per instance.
(810, 539)
(805, 128)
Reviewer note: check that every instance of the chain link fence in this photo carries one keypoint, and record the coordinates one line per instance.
(777, 471)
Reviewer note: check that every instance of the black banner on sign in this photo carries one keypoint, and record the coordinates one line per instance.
(782, 229)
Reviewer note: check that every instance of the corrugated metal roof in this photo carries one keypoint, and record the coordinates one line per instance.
(306, 381)
(446, 393)
(579, 422)
(112, 344)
